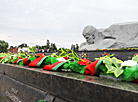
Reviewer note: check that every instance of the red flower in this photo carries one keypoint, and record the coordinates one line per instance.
(84, 62)
(66, 58)
(20, 57)
(2, 57)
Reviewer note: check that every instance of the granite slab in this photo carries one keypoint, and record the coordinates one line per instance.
(14, 91)
(73, 87)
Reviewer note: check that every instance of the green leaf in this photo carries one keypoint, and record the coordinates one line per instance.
(118, 72)
(14, 56)
(60, 50)
(108, 58)
(63, 54)
(109, 67)
(112, 70)
(114, 60)
(70, 55)
(135, 58)
(30, 49)
(55, 54)
(106, 61)
(119, 61)
(75, 55)
(31, 55)
(23, 56)
(26, 53)
(97, 58)
(19, 52)
(33, 49)
(64, 50)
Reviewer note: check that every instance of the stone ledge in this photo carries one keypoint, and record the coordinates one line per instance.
(73, 87)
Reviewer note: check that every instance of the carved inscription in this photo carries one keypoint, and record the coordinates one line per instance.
(12, 96)
(14, 91)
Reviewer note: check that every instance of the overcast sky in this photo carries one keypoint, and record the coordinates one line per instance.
(60, 21)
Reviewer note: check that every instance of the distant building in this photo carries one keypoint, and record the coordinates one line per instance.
(24, 49)
(13, 50)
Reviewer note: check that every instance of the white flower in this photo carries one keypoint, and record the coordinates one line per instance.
(128, 63)
(61, 59)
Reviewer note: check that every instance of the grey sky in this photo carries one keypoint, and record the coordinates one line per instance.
(60, 21)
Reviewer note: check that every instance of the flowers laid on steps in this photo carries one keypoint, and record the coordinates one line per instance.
(106, 65)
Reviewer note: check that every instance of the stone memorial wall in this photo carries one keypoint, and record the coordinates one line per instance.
(24, 84)
(120, 54)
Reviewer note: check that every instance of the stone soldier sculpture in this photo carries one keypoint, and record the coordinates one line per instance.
(118, 35)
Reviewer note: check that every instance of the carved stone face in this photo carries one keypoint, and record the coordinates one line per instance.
(90, 38)
(90, 33)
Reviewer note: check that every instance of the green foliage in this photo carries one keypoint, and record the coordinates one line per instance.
(53, 47)
(72, 55)
(76, 56)
(64, 50)
(22, 45)
(135, 58)
(53, 60)
(23, 55)
(54, 55)
(118, 72)
(15, 56)
(63, 54)
(74, 66)
(130, 74)
(3, 46)
(32, 49)
(9, 55)
(6, 56)
(112, 64)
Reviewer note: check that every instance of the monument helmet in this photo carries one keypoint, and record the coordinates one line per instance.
(89, 30)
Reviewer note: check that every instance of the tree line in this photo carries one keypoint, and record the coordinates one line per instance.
(48, 46)
(3, 46)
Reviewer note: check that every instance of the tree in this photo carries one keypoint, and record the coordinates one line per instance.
(1, 50)
(53, 47)
(22, 45)
(3, 46)
(77, 47)
(47, 44)
(11, 47)
(38, 46)
(73, 47)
